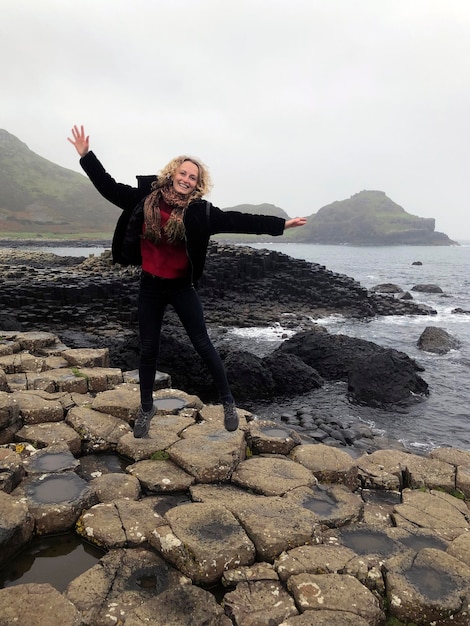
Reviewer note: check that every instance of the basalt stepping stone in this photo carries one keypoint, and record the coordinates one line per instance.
(99, 432)
(36, 605)
(37, 408)
(122, 523)
(335, 592)
(392, 469)
(460, 459)
(259, 602)
(11, 469)
(35, 341)
(122, 402)
(62, 379)
(428, 588)
(110, 487)
(440, 512)
(202, 541)
(213, 416)
(174, 400)
(328, 464)
(163, 433)
(275, 525)
(378, 506)
(418, 539)
(161, 476)
(87, 357)
(50, 433)
(272, 476)
(249, 573)
(100, 378)
(181, 605)
(22, 362)
(460, 548)
(55, 458)
(55, 500)
(211, 457)
(16, 526)
(334, 505)
(172, 422)
(120, 583)
(313, 559)
(268, 437)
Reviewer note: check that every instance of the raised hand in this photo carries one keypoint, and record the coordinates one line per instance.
(80, 140)
(296, 221)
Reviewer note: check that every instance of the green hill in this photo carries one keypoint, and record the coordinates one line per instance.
(259, 209)
(39, 197)
(369, 218)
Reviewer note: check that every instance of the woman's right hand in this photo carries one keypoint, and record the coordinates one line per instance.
(80, 140)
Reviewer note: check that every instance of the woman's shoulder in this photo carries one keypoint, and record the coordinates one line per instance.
(199, 202)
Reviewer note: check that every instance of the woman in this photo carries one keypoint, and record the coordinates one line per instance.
(166, 228)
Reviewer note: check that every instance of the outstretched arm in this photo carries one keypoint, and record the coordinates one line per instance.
(123, 196)
(80, 140)
(296, 221)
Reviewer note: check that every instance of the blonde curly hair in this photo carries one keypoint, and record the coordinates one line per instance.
(204, 183)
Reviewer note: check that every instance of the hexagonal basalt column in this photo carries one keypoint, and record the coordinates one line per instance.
(16, 526)
(55, 500)
(203, 541)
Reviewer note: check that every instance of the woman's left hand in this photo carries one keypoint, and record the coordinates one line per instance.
(296, 221)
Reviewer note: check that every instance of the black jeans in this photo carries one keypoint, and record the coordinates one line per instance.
(154, 296)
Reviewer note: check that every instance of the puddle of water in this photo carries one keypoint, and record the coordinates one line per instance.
(323, 505)
(93, 465)
(431, 583)
(56, 560)
(274, 432)
(55, 489)
(418, 542)
(147, 582)
(369, 542)
(51, 462)
(170, 404)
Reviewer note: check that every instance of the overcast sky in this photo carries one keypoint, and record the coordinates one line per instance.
(297, 103)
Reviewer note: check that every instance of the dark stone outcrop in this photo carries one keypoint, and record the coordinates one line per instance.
(376, 376)
(334, 356)
(387, 288)
(240, 286)
(384, 379)
(427, 288)
(437, 340)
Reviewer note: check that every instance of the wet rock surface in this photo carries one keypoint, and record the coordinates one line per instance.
(202, 526)
(437, 340)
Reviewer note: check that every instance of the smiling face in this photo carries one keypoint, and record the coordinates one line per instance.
(186, 177)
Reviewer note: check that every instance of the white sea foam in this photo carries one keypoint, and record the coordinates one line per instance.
(274, 333)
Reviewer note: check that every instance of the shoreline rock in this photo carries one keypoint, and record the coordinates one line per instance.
(290, 531)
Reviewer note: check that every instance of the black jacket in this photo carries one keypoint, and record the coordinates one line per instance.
(201, 219)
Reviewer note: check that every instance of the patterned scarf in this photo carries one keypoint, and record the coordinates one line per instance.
(174, 228)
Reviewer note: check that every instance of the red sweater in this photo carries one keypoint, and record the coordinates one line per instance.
(167, 260)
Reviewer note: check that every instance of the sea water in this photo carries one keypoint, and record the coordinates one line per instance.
(443, 419)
